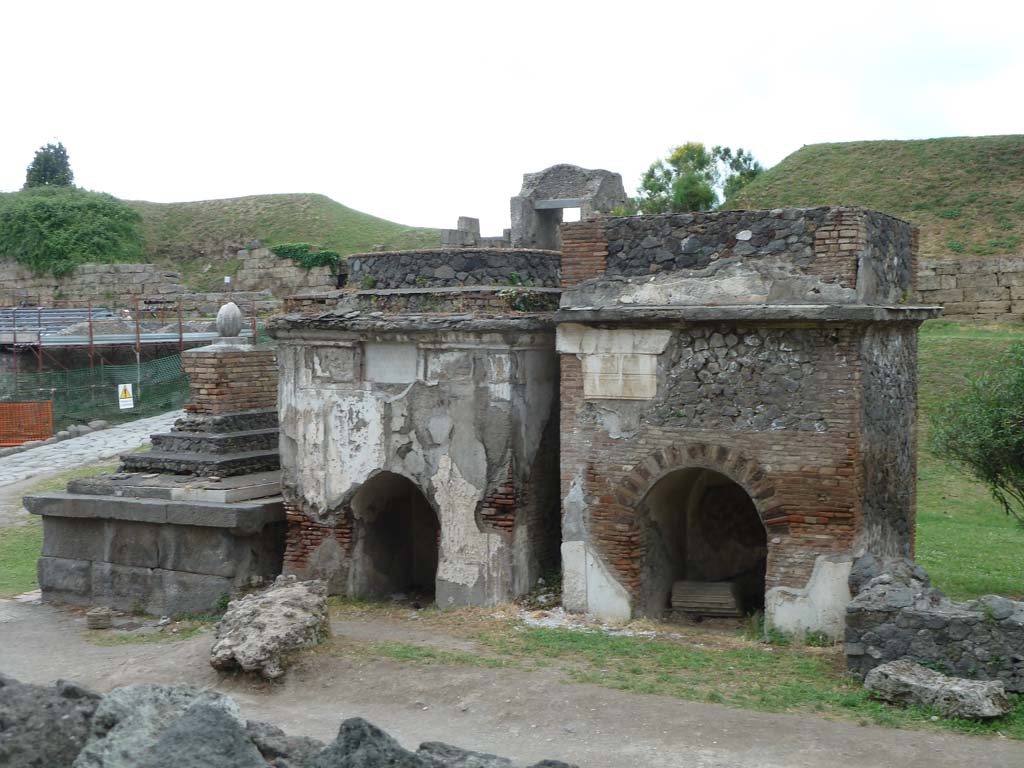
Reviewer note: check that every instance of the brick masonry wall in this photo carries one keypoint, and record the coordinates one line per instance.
(974, 288)
(584, 251)
(804, 478)
(230, 381)
(305, 535)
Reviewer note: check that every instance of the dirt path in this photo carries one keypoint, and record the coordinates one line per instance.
(527, 715)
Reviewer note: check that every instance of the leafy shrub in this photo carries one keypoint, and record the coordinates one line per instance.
(52, 229)
(308, 256)
(982, 430)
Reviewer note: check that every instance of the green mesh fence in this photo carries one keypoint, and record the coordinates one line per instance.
(82, 394)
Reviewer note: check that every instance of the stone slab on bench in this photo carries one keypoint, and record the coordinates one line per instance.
(241, 517)
(148, 485)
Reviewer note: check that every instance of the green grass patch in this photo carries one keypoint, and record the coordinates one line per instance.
(114, 637)
(19, 550)
(965, 192)
(20, 545)
(964, 539)
(758, 677)
(400, 651)
(181, 234)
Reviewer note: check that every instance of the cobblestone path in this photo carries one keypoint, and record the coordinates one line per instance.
(86, 449)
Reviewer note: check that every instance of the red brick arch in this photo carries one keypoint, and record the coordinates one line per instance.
(730, 462)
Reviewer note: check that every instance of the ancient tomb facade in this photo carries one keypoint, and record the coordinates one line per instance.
(419, 427)
(738, 404)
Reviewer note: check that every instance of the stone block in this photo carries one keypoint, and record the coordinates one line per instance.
(959, 308)
(64, 579)
(180, 592)
(197, 550)
(127, 588)
(131, 543)
(1013, 279)
(942, 297)
(996, 293)
(73, 539)
(977, 280)
(993, 307)
(935, 282)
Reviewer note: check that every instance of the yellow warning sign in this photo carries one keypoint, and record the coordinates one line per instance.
(125, 398)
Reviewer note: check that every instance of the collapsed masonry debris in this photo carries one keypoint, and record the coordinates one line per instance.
(178, 726)
(895, 614)
(905, 682)
(259, 631)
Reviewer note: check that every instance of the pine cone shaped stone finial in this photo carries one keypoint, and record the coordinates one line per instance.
(229, 320)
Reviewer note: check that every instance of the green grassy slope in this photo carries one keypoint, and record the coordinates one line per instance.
(174, 231)
(967, 194)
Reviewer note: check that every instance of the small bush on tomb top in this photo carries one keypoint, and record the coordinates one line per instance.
(51, 229)
(966, 193)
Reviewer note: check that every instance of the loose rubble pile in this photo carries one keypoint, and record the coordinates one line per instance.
(258, 632)
(177, 726)
(895, 614)
(904, 682)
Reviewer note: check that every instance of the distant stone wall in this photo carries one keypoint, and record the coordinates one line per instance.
(98, 283)
(261, 276)
(261, 270)
(981, 289)
(445, 268)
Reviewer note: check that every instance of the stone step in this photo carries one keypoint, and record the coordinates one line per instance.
(151, 485)
(706, 598)
(209, 465)
(239, 421)
(216, 443)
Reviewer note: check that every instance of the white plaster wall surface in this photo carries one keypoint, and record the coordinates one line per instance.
(469, 558)
(818, 607)
(588, 587)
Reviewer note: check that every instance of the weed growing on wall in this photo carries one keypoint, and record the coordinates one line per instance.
(308, 256)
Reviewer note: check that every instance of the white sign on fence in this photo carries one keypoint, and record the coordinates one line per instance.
(125, 399)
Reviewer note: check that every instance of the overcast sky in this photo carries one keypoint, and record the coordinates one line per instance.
(420, 112)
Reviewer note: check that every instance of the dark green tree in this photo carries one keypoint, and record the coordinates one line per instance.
(982, 430)
(50, 168)
(692, 177)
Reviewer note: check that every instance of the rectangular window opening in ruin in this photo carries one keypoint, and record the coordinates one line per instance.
(570, 214)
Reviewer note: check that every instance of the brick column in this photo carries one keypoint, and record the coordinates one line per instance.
(230, 378)
(584, 251)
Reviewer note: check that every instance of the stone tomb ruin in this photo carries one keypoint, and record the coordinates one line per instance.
(738, 396)
(419, 427)
(196, 518)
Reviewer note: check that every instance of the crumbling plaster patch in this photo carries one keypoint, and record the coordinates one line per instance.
(818, 607)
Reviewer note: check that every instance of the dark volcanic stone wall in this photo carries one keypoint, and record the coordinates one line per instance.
(888, 438)
(445, 268)
(888, 265)
(758, 379)
(640, 245)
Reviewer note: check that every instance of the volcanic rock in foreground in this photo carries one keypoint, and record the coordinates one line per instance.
(258, 632)
(178, 726)
(905, 682)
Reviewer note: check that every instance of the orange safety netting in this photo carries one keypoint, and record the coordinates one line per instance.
(21, 422)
